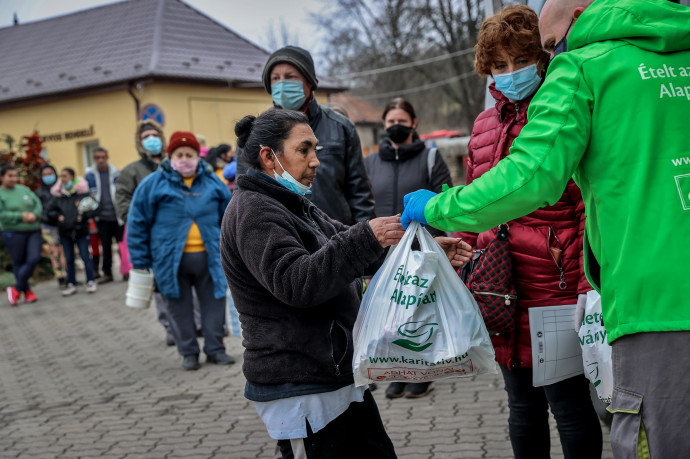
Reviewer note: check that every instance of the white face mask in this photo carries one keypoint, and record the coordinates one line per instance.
(288, 181)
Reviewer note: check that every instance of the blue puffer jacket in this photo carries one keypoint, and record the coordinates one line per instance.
(162, 211)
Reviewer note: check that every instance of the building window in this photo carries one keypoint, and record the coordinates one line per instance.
(87, 151)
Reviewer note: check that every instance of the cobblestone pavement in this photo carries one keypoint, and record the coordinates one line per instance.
(85, 377)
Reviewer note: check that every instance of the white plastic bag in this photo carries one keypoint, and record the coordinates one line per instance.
(596, 351)
(418, 322)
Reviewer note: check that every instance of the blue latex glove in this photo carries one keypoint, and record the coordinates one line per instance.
(414, 207)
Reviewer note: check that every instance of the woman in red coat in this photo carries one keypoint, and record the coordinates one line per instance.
(545, 246)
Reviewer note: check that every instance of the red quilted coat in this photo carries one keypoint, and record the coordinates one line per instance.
(544, 245)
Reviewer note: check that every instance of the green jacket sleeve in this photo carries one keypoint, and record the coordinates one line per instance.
(541, 161)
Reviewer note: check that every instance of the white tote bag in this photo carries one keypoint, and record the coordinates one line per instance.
(596, 351)
(418, 322)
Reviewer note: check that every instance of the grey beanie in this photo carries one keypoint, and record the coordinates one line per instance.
(293, 55)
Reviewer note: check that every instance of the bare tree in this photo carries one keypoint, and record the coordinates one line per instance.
(378, 34)
(278, 37)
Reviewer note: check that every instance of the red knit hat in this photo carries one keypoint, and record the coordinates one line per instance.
(182, 139)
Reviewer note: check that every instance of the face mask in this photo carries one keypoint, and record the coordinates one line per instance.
(399, 133)
(49, 179)
(518, 85)
(288, 181)
(153, 145)
(69, 185)
(562, 46)
(185, 167)
(288, 94)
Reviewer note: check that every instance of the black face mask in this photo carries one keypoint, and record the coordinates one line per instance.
(562, 46)
(399, 133)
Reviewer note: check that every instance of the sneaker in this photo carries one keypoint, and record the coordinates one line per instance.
(396, 390)
(30, 297)
(220, 359)
(417, 390)
(91, 287)
(105, 278)
(13, 295)
(190, 362)
(71, 289)
(169, 339)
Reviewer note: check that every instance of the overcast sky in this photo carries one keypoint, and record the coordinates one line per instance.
(250, 18)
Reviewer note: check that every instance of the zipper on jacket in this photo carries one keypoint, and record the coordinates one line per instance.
(507, 298)
(395, 183)
(347, 347)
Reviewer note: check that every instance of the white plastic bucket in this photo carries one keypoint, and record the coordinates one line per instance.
(139, 289)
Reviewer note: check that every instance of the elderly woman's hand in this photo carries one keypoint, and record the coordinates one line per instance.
(457, 251)
(387, 230)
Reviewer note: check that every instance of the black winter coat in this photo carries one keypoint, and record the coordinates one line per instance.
(67, 206)
(341, 188)
(395, 172)
(43, 193)
(294, 277)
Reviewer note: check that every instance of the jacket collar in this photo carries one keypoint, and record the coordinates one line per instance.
(505, 107)
(388, 152)
(259, 182)
(314, 113)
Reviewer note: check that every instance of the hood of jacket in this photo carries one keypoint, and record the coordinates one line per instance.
(80, 186)
(203, 168)
(654, 25)
(137, 139)
(388, 152)
(43, 185)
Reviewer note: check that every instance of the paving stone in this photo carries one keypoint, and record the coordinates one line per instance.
(61, 398)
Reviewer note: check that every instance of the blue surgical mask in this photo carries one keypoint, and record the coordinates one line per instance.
(288, 181)
(288, 94)
(69, 185)
(152, 144)
(49, 179)
(562, 46)
(520, 84)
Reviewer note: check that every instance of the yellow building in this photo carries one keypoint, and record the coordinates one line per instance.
(83, 80)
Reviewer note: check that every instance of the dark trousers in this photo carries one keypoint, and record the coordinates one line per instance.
(193, 272)
(107, 231)
(24, 248)
(571, 405)
(82, 244)
(358, 432)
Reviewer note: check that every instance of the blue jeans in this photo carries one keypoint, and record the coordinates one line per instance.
(82, 244)
(24, 248)
(193, 272)
(571, 405)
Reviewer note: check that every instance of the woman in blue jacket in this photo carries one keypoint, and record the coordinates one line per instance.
(173, 227)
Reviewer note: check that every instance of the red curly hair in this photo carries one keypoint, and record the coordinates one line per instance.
(515, 29)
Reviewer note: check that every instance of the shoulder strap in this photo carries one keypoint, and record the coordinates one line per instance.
(430, 161)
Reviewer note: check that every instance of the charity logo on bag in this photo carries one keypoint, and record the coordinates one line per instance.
(596, 351)
(418, 322)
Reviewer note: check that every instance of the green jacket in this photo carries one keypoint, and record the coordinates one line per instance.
(613, 113)
(13, 203)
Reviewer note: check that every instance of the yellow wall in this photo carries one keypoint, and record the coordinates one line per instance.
(211, 111)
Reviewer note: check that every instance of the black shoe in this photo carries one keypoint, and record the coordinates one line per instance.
(105, 279)
(417, 390)
(62, 281)
(125, 277)
(373, 387)
(396, 390)
(220, 359)
(169, 339)
(191, 362)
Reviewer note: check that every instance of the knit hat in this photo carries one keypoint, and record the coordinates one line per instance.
(182, 139)
(292, 55)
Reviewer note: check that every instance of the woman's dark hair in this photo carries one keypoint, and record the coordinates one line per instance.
(48, 166)
(401, 103)
(7, 167)
(269, 129)
(69, 170)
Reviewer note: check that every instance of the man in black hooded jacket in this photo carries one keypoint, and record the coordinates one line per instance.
(341, 188)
